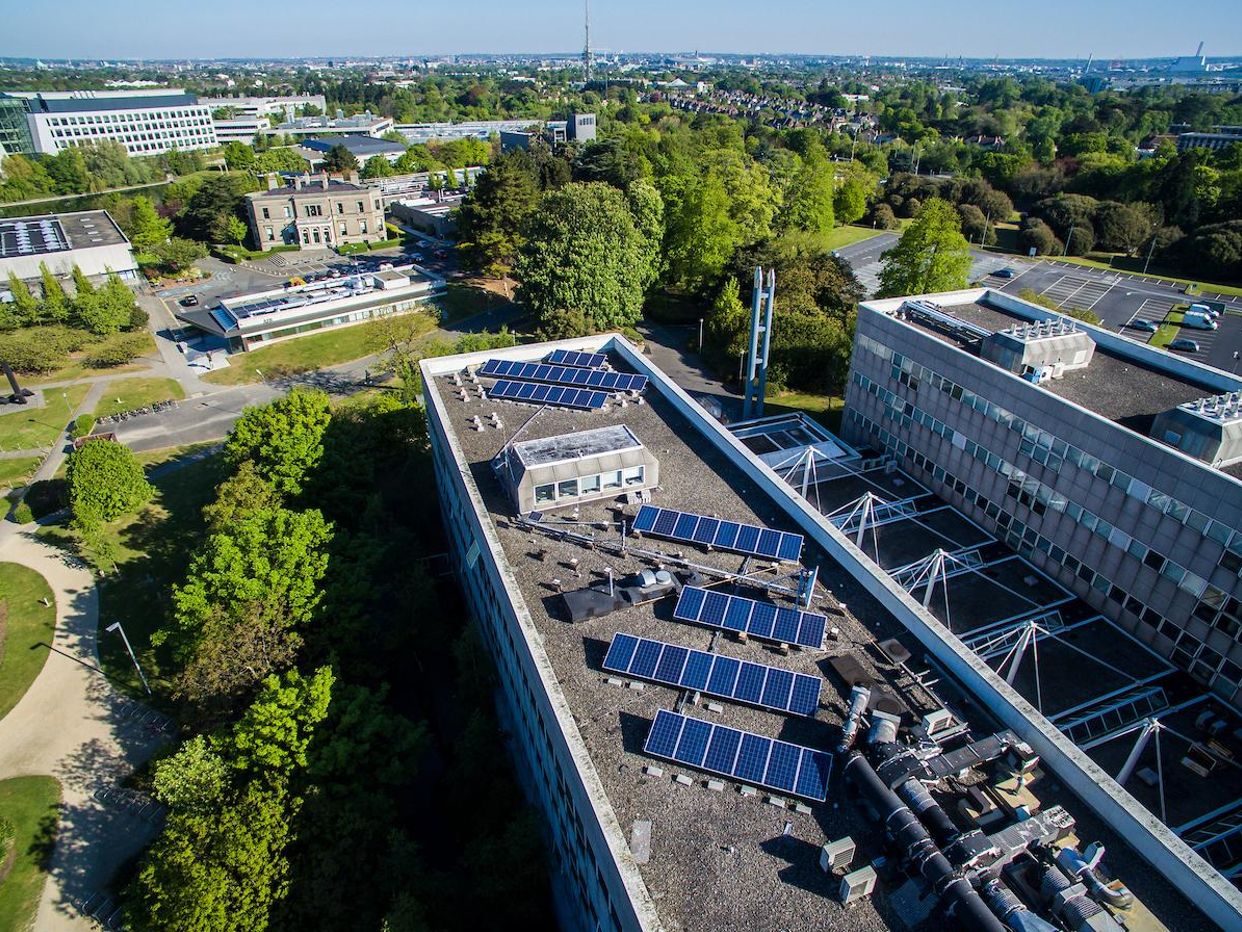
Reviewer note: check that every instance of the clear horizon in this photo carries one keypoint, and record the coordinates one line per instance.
(1108, 29)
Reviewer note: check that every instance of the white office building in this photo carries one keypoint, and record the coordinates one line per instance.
(146, 122)
(284, 107)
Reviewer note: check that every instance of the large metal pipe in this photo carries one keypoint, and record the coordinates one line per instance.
(924, 856)
(1011, 910)
(859, 697)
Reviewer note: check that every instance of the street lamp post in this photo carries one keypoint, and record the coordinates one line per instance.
(116, 626)
(1151, 250)
(700, 336)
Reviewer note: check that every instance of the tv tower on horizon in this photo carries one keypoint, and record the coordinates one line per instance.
(587, 60)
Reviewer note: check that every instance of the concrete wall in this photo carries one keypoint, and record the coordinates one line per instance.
(598, 885)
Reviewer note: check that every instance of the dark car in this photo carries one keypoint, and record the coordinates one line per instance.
(189, 300)
(1147, 326)
(440, 254)
(1004, 273)
(1186, 346)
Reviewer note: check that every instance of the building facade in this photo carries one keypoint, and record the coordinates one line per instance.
(241, 129)
(284, 107)
(315, 212)
(1069, 457)
(145, 122)
(90, 240)
(15, 135)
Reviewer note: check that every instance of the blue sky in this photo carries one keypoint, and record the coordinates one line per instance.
(226, 28)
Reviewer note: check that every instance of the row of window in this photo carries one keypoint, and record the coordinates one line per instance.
(1052, 452)
(1204, 663)
(572, 489)
(198, 117)
(133, 136)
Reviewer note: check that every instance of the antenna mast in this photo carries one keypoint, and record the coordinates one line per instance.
(586, 48)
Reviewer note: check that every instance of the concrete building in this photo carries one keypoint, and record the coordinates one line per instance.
(286, 107)
(1221, 138)
(146, 122)
(415, 133)
(363, 148)
(1116, 468)
(315, 212)
(427, 214)
(645, 834)
(580, 127)
(363, 124)
(242, 322)
(91, 240)
(241, 129)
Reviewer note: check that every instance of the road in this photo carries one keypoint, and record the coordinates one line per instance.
(865, 259)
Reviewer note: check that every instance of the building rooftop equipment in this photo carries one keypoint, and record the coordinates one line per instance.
(32, 236)
(1209, 429)
(358, 146)
(646, 747)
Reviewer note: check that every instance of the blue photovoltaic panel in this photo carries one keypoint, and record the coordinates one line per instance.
(740, 755)
(756, 619)
(712, 674)
(563, 375)
(547, 395)
(724, 535)
(562, 357)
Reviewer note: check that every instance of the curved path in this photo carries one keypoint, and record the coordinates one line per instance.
(71, 724)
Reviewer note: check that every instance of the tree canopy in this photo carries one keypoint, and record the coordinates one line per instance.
(931, 255)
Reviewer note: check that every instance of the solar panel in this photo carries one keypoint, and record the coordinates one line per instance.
(562, 357)
(563, 375)
(752, 683)
(723, 535)
(746, 616)
(740, 755)
(560, 395)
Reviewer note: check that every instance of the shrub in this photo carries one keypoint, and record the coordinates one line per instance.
(1038, 234)
(138, 319)
(117, 351)
(884, 218)
(27, 351)
(104, 482)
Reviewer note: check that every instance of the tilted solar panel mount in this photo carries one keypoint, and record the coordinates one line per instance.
(559, 395)
(735, 536)
(713, 674)
(562, 375)
(740, 755)
(741, 615)
(562, 357)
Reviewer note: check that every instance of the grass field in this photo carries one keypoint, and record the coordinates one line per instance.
(305, 354)
(824, 408)
(38, 428)
(15, 473)
(151, 551)
(846, 236)
(128, 394)
(78, 369)
(25, 631)
(460, 302)
(1168, 329)
(31, 804)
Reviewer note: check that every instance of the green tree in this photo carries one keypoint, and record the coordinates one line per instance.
(579, 262)
(850, 201)
(25, 308)
(104, 482)
(104, 310)
(647, 208)
(272, 737)
(378, 167)
(194, 779)
(340, 160)
(55, 303)
(490, 219)
(235, 230)
(147, 229)
(726, 327)
(809, 201)
(238, 497)
(932, 255)
(223, 871)
(284, 439)
(701, 234)
(217, 198)
(178, 254)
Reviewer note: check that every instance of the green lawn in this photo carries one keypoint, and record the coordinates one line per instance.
(78, 369)
(824, 408)
(24, 428)
(128, 394)
(1135, 267)
(461, 301)
(32, 805)
(14, 473)
(25, 631)
(845, 236)
(152, 548)
(305, 354)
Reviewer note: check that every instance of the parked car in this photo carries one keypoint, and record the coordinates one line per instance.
(1147, 326)
(1186, 346)
(440, 254)
(189, 300)
(1005, 273)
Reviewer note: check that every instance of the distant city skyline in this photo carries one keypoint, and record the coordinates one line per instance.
(1108, 29)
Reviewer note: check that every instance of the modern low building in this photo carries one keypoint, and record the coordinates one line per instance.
(1222, 138)
(362, 148)
(146, 122)
(15, 126)
(90, 240)
(241, 129)
(1115, 467)
(363, 124)
(242, 322)
(473, 129)
(580, 127)
(285, 107)
(673, 800)
(315, 212)
(428, 214)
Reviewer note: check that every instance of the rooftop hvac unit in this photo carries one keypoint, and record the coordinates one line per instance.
(857, 884)
(937, 721)
(836, 854)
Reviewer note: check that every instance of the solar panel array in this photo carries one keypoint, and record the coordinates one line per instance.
(752, 683)
(761, 620)
(562, 357)
(724, 535)
(31, 237)
(740, 755)
(534, 393)
(563, 375)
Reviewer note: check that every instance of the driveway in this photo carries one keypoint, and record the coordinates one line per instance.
(73, 725)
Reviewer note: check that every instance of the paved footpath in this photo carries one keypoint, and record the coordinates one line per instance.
(73, 725)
